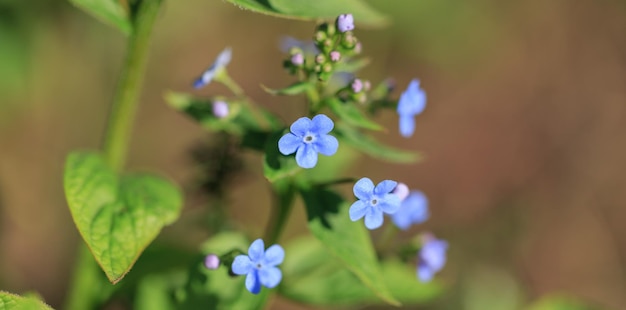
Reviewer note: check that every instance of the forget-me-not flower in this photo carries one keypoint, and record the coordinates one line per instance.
(220, 62)
(259, 266)
(373, 201)
(431, 257)
(412, 102)
(413, 210)
(345, 22)
(307, 138)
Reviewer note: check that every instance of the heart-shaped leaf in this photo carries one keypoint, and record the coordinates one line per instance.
(117, 216)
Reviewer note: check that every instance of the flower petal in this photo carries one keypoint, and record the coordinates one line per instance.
(373, 218)
(301, 126)
(363, 189)
(419, 206)
(358, 210)
(433, 253)
(306, 156)
(326, 145)
(406, 125)
(289, 143)
(270, 277)
(385, 187)
(424, 273)
(401, 219)
(241, 265)
(223, 58)
(256, 250)
(252, 282)
(390, 203)
(322, 124)
(274, 255)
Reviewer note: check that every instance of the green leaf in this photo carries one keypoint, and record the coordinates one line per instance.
(293, 89)
(117, 216)
(277, 166)
(352, 65)
(350, 113)
(373, 148)
(328, 221)
(259, 7)
(10, 301)
(110, 12)
(330, 9)
(311, 278)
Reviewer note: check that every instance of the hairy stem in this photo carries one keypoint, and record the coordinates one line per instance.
(283, 196)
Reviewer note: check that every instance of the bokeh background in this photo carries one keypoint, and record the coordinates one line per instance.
(524, 133)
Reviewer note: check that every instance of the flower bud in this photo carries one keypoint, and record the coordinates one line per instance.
(345, 22)
(220, 109)
(357, 86)
(212, 262)
(401, 190)
(335, 56)
(320, 59)
(297, 59)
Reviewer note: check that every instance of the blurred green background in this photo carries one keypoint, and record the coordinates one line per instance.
(524, 134)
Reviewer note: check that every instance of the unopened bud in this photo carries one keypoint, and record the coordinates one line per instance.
(212, 262)
(335, 56)
(220, 109)
(320, 59)
(345, 22)
(401, 190)
(357, 86)
(297, 59)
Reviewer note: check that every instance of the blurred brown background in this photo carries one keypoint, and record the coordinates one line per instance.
(524, 133)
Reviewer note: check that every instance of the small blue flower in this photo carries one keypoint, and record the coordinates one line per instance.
(373, 201)
(412, 102)
(431, 257)
(260, 266)
(220, 62)
(307, 138)
(345, 22)
(413, 210)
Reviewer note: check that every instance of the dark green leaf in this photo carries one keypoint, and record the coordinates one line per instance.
(108, 11)
(293, 89)
(330, 9)
(373, 148)
(117, 217)
(259, 6)
(350, 113)
(10, 301)
(328, 221)
(311, 278)
(277, 166)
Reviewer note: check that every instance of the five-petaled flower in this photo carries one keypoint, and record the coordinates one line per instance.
(345, 22)
(307, 138)
(373, 201)
(413, 209)
(220, 62)
(431, 258)
(259, 266)
(412, 102)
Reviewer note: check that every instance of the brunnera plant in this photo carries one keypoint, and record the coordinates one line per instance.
(119, 213)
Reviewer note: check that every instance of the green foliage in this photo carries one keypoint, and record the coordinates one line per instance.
(277, 166)
(305, 9)
(117, 216)
(111, 12)
(350, 113)
(293, 89)
(10, 301)
(312, 278)
(373, 148)
(328, 221)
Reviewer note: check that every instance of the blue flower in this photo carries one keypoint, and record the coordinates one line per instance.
(413, 210)
(307, 138)
(431, 257)
(345, 22)
(220, 62)
(260, 266)
(373, 201)
(412, 102)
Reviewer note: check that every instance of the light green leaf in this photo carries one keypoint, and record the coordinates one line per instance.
(277, 166)
(108, 11)
(259, 7)
(350, 113)
(373, 148)
(311, 278)
(153, 293)
(352, 65)
(328, 221)
(293, 89)
(10, 301)
(330, 9)
(117, 216)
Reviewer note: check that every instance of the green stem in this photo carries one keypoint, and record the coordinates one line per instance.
(88, 287)
(128, 90)
(283, 195)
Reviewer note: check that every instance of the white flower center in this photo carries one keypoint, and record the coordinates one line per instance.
(308, 138)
